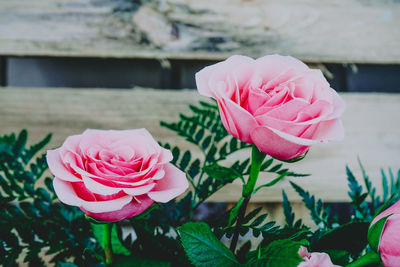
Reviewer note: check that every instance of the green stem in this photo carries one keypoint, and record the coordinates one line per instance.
(257, 158)
(369, 259)
(107, 228)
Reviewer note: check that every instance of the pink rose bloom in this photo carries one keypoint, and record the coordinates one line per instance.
(275, 102)
(315, 259)
(114, 175)
(389, 243)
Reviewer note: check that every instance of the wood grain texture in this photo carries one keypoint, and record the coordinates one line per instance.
(372, 125)
(340, 31)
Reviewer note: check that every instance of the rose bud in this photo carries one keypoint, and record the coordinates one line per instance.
(384, 235)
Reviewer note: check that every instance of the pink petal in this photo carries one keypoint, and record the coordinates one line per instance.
(208, 77)
(106, 206)
(317, 259)
(241, 122)
(58, 168)
(140, 190)
(390, 260)
(134, 208)
(172, 185)
(274, 145)
(271, 66)
(395, 208)
(285, 112)
(328, 131)
(99, 188)
(67, 195)
(390, 239)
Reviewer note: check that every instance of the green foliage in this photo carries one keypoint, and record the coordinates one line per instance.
(375, 233)
(365, 202)
(350, 237)
(321, 217)
(129, 261)
(207, 175)
(203, 248)
(31, 219)
(117, 246)
(279, 253)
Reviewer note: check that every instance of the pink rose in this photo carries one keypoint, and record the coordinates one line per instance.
(389, 248)
(315, 259)
(276, 103)
(113, 175)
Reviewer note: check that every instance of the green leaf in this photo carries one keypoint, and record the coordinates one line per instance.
(287, 210)
(375, 233)
(117, 246)
(21, 142)
(351, 237)
(279, 253)
(221, 173)
(203, 248)
(128, 261)
(339, 257)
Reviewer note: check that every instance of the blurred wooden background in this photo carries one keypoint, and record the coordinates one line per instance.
(160, 44)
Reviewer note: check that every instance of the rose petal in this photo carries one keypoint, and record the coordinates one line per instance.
(67, 195)
(58, 168)
(208, 77)
(99, 188)
(134, 208)
(241, 122)
(140, 190)
(274, 145)
(173, 184)
(390, 239)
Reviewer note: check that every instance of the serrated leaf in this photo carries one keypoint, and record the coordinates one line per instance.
(251, 215)
(259, 220)
(203, 248)
(287, 210)
(221, 173)
(185, 160)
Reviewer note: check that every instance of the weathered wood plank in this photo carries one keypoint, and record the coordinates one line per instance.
(342, 31)
(371, 121)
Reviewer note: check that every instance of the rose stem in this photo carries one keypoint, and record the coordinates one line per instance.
(257, 158)
(107, 228)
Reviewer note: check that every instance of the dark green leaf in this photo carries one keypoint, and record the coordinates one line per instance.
(339, 257)
(221, 173)
(279, 253)
(203, 248)
(350, 237)
(129, 261)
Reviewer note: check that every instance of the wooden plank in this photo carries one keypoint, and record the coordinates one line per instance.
(371, 121)
(342, 31)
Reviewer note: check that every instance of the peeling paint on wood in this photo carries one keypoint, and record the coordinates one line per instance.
(342, 31)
